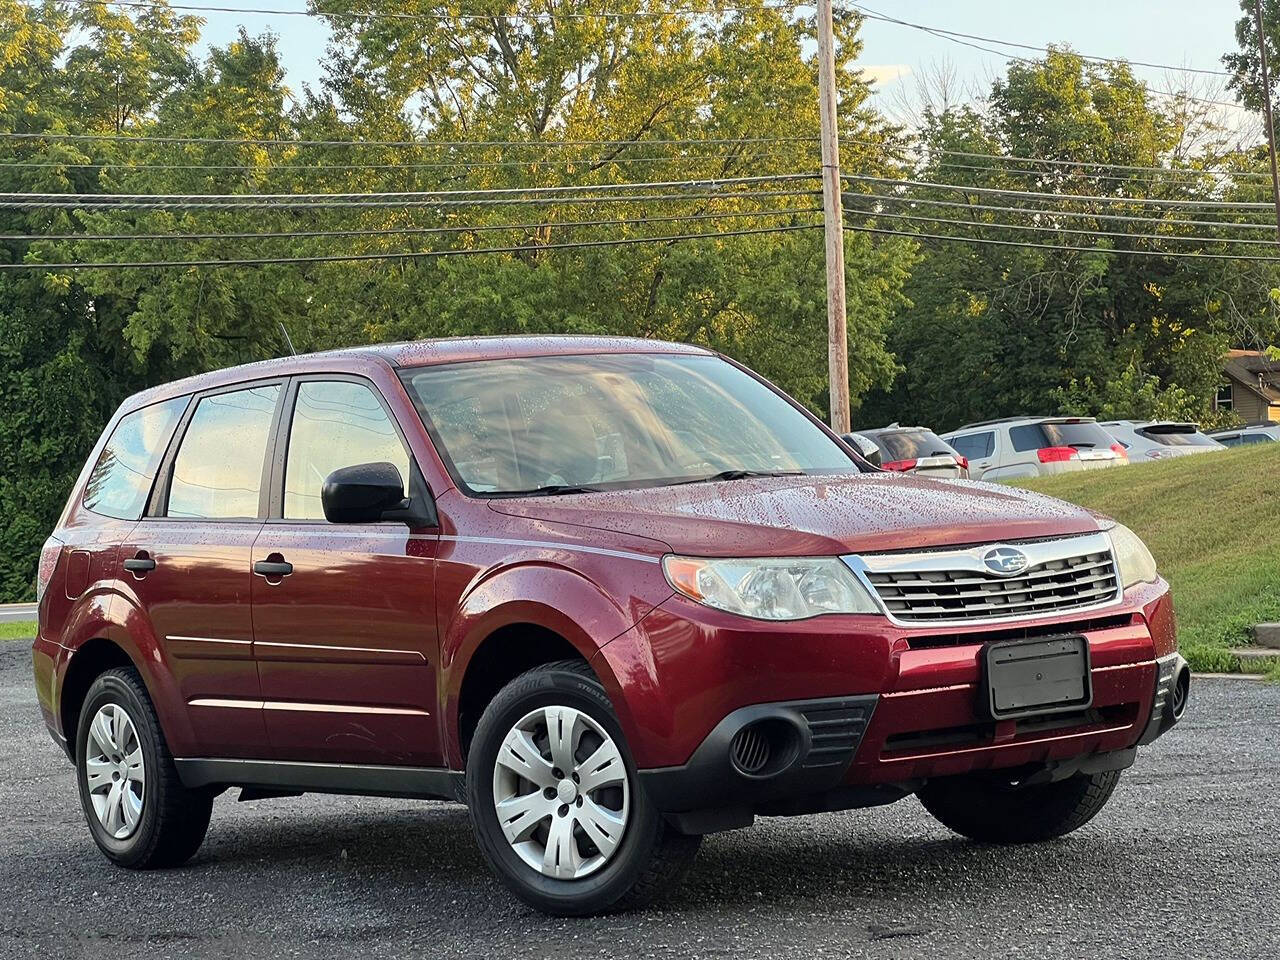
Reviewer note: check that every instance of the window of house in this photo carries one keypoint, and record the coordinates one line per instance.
(336, 423)
(1225, 399)
(217, 473)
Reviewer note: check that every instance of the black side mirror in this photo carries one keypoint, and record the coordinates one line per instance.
(368, 493)
(870, 452)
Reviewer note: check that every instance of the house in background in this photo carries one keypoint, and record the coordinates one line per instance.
(1250, 386)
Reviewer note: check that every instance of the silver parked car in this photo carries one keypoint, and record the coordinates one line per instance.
(1262, 432)
(1159, 439)
(917, 450)
(1035, 447)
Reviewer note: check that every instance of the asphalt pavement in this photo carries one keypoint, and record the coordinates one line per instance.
(1184, 862)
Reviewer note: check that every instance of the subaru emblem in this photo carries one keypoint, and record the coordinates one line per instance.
(1005, 561)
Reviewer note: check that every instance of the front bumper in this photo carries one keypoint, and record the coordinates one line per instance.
(907, 702)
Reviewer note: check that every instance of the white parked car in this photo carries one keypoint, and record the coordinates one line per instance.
(1159, 439)
(1035, 447)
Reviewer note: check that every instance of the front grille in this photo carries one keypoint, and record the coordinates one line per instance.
(1065, 583)
(972, 637)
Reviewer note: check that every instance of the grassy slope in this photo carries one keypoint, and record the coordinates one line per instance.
(1213, 523)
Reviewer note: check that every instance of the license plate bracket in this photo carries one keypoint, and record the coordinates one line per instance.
(1027, 678)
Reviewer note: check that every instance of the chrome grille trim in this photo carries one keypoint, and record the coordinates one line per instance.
(952, 587)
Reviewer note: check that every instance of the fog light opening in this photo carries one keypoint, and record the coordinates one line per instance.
(764, 748)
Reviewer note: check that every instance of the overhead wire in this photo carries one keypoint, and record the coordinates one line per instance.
(408, 231)
(403, 255)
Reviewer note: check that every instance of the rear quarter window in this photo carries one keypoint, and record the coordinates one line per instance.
(121, 479)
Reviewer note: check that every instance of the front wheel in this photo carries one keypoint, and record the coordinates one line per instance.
(555, 802)
(994, 810)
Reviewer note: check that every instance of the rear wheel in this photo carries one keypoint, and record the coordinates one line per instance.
(995, 810)
(139, 813)
(555, 802)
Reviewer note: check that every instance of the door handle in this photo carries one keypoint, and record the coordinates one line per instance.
(273, 568)
(141, 562)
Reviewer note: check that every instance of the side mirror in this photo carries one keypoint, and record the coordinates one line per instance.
(365, 493)
(870, 452)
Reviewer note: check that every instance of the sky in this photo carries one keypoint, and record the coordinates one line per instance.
(1192, 33)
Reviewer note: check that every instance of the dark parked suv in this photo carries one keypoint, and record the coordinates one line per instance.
(611, 594)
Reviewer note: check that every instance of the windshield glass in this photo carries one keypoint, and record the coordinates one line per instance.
(910, 445)
(612, 421)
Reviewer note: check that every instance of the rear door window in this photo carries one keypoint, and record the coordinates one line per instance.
(217, 473)
(975, 446)
(336, 423)
(121, 479)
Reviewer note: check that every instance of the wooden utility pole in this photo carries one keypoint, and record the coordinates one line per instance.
(833, 219)
(1266, 106)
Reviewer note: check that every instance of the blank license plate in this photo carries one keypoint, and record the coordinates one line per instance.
(1027, 677)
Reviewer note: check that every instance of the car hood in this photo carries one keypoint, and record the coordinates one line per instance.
(813, 516)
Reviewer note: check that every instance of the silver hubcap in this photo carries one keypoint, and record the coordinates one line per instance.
(561, 792)
(114, 771)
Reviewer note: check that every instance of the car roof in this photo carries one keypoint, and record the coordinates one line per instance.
(415, 353)
(895, 428)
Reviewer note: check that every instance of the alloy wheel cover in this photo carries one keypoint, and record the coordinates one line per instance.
(115, 771)
(561, 792)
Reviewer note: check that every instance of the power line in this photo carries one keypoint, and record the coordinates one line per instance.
(979, 224)
(423, 143)
(1059, 247)
(406, 231)
(406, 204)
(404, 255)
(1076, 214)
(707, 183)
(722, 10)
(125, 167)
(953, 34)
(1041, 195)
(1174, 178)
(1096, 165)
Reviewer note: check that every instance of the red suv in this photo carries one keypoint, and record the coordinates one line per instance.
(612, 594)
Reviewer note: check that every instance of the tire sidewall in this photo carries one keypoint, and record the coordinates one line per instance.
(112, 688)
(614, 879)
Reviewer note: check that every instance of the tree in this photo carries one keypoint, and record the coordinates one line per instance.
(1013, 328)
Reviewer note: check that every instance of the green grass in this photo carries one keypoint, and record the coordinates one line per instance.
(1213, 523)
(24, 630)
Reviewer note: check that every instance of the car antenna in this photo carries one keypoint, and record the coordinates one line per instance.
(287, 341)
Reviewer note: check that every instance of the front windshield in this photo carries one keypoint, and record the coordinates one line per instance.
(557, 424)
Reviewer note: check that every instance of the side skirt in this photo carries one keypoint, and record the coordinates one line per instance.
(423, 783)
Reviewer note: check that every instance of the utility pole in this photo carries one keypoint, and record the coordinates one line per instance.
(833, 220)
(1266, 104)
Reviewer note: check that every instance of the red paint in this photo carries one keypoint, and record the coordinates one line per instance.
(361, 653)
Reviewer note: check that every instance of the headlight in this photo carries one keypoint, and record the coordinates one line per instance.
(1133, 559)
(781, 588)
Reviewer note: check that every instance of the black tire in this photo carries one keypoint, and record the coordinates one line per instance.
(983, 807)
(173, 819)
(651, 856)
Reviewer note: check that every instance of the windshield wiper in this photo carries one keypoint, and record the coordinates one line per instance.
(739, 475)
(553, 489)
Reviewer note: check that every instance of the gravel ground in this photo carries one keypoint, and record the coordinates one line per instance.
(1183, 862)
